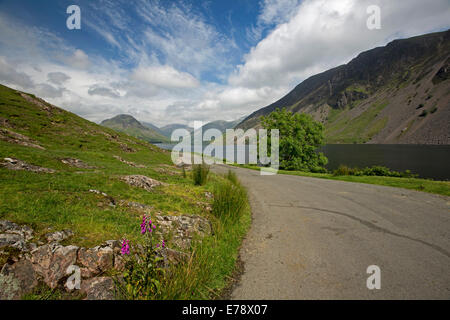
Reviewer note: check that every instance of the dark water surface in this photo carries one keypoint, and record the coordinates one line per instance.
(428, 161)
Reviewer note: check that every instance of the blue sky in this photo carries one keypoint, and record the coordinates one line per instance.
(180, 61)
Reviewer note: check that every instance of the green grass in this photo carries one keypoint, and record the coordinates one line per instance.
(425, 185)
(200, 174)
(62, 200)
(340, 128)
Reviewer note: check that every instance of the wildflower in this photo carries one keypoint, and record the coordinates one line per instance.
(163, 244)
(125, 247)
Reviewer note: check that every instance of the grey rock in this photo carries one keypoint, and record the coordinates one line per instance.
(142, 182)
(101, 288)
(17, 279)
(59, 235)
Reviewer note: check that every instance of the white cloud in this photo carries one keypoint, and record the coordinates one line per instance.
(167, 85)
(164, 77)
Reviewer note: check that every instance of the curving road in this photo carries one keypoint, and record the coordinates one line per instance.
(314, 239)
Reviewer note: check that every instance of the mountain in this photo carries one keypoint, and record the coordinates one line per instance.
(398, 93)
(129, 125)
(152, 126)
(168, 129)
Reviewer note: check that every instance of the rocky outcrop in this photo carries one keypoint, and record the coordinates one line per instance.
(131, 164)
(51, 262)
(142, 182)
(15, 164)
(15, 236)
(17, 279)
(17, 138)
(182, 229)
(77, 163)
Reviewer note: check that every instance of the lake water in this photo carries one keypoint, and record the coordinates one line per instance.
(428, 161)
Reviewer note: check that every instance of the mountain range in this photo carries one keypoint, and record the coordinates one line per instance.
(398, 93)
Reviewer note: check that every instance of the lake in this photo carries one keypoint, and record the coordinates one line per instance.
(428, 161)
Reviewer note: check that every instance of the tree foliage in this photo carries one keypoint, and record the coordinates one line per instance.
(300, 136)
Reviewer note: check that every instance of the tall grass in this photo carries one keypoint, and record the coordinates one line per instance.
(200, 174)
(230, 198)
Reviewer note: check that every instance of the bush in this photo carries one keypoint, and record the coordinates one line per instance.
(343, 170)
(200, 174)
(300, 136)
(230, 199)
(372, 171)
(231, 176)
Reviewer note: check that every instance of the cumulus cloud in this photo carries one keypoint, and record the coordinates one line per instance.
(79, 59)
(57, 78)
(176, 67)
(8, 75)
(164, 77)
(103, 91)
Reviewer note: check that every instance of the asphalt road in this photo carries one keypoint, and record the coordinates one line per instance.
(314, 239)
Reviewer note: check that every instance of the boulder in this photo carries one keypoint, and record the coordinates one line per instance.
(59, 235)
(51, 261)
(101, 288)
(16, 164)
(15, 236)
(17, 279)
(142, 182)
(95, 260)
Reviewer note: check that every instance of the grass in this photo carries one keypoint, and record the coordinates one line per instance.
(230, 199)
(425, 185)
(200, 174)
(341, 129)
(62, 200)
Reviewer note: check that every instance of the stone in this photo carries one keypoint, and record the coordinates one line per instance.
(131, 164)
(142, 182)
(173, 257)
(77, 163)
(183, 228)
(101, 288)
(17, 279)
(95, 260)
(16, 164)
(51, 261)
(59, 235)
(15, 236)
(17, 138)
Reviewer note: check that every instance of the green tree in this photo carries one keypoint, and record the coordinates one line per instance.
(300, 136)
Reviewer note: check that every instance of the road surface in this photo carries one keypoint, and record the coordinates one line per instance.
(315, 238)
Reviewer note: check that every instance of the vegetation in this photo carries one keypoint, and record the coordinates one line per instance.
(300, 136)
(372, 171)
(230, 199)
(200, 174)
(426, 185)
(62, 200)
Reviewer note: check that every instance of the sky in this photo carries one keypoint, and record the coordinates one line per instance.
(182, 61)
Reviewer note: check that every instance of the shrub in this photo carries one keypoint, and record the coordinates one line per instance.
(183, 169)
(143, 268)
(230, 200)
(200, 174)
(343, 170)
(231, 176)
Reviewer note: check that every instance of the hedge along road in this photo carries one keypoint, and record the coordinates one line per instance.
(315, 238)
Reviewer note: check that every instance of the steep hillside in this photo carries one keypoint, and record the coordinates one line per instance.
(168, 129)
(399, 93)
(129, 125)
(152, 126)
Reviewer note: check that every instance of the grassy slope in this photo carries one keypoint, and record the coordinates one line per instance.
(62, 200)
(431, 186)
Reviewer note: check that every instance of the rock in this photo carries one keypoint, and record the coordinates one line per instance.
(17, 138)
(15, 164)
(142, 182)
(101, 288)
(15, 236)
(131, 164)
(173, 257)
(95, 260)
(17, 279)
(135, 205)
(59, 235)
(77, 163)
(51, 261)
(183, 228)
(209, 195)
